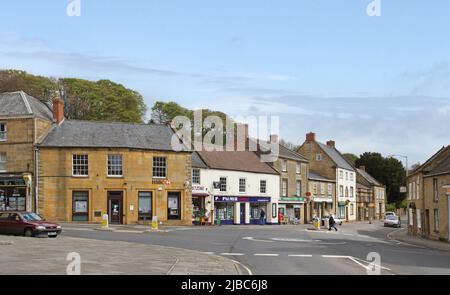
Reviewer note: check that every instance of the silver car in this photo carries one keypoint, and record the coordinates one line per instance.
(392, 221)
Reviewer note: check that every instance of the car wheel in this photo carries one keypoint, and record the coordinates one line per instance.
(28, 233)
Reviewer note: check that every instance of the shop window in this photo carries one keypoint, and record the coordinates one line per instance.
(145, 206)
(196, 176)
(2, 162)
(255, 210)
(242, 185)
(225, 211)
(12, 199)
(223, 184)
(263, 186)
(159, 167)
(80, 206)
(3, 134)
(80, 165)
(115, 165)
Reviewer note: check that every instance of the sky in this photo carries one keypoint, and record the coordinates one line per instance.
(371, 83)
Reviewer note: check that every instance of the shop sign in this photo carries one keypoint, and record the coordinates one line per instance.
(199, 189)
(342, 203)
(323, 200)
(293, 199)
(242, 199)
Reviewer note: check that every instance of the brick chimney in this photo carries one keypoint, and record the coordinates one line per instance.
(58, 108)
(362, 168)
(331, 143)
(311, 136)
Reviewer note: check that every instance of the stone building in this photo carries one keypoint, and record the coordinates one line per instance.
(24, 122)
(428, 198)
(327, 161)
(323, 195)
(370, 197)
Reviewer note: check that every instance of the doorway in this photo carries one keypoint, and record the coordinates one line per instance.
(174, 206)
(115, 207)
(242, 216)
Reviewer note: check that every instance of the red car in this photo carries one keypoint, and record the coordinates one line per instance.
(27, 224)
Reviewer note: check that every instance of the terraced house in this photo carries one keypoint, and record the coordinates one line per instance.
(428, 197)
(327, 161)
(24, 122)
(371, 196)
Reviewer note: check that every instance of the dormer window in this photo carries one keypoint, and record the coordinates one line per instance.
(3, 136)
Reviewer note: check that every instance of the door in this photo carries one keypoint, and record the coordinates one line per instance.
(115, 207)
(427, 222)
(242, 219)
(174, 206)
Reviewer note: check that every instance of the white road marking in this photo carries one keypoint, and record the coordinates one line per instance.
(334, 256)
(209, 253)
(232, 254)
(300, 255)
(350, 235)
(294, 240)
(256, 240)
(266, 255)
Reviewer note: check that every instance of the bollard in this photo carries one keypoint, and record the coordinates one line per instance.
(105, 222)
(155, 223)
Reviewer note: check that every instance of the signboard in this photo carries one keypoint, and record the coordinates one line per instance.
(199, 190)
(293, 199)
(403, 189)
(322, 200)
(242, 199)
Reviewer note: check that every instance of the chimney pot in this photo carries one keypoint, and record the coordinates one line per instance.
(331, 143)
(311, 136)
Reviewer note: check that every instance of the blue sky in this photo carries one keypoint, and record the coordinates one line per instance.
(370, 83)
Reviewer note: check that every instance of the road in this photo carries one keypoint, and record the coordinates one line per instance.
(292, 250)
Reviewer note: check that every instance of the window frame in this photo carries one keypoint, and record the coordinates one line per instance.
(87, 207)
(284, 165)
(5, 162)
(244, 185)
(283, 192)
(435, 190)
(224, 184)
(141, 217)
(194, 177)
(319, 157)
(261, 186)
(114, 165)
(5, 132)
(436, 220)
(159, 166)
(80, 165)
(298, 188)
(298, 168)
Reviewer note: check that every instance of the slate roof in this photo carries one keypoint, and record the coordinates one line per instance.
(442, 168)
(316, 176)
(197, 162)
(244, 161)
(15, 104)
(369, 177)
(290, 154)
(88, 134)
(336, 156)
(362, 186)
(432, 158)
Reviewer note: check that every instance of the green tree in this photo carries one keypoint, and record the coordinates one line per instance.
(388, 171)
(351, 158)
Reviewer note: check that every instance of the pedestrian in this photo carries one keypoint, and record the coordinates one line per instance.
(332, 223)
(262, 215)
(280, 217)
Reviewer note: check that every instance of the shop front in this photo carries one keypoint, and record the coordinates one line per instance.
(15, 193)
(342, 210)
(290, 209)
(240, 210)
(322, 206)
(201, 205)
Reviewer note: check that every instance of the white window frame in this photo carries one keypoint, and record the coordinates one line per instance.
(3, 132)
(341, 191)
(261, 186)
(3, 156)
(284, 165)
(159, 167)
(194, 177)
(78, 162)
(244, 185)
(298, 168)
(284, 190)
(341, 174)
(114, 165)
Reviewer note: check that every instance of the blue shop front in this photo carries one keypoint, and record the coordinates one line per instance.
(241, 210)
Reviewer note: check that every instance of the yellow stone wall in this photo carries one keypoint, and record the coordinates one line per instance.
(56, 183)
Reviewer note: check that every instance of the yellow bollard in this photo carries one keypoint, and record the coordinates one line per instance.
(105, 221)
(155, 223)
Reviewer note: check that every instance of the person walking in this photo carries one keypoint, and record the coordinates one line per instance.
(262, 215)
(332, 223)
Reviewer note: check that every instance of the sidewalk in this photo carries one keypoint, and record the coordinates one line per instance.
(402, 236)
(35, 256)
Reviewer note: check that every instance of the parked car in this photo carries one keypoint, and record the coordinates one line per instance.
(27, 224)
(393, 221)
(336, 219)
(390, 214)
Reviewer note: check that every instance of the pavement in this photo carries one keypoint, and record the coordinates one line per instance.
(402, 235)
(34, 256)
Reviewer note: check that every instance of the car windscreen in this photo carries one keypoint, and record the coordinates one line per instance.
(31, 217)
(391, 217)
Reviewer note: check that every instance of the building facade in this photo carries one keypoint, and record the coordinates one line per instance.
(371, 196)
(24, 122)
(323, 195)
(327, 161)
(427, 197)
(238, 187)
(128, 171)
